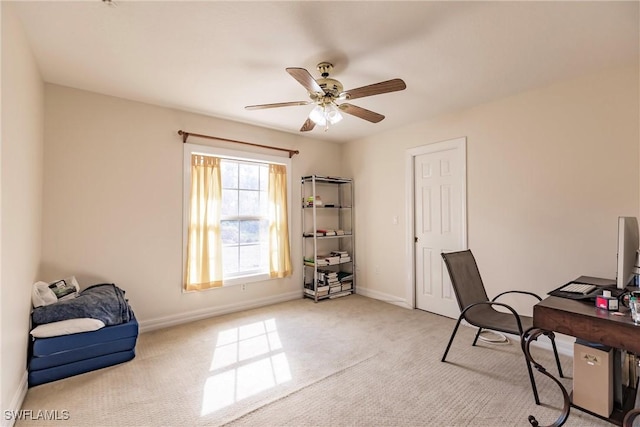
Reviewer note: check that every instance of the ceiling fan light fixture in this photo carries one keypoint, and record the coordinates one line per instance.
(325, 115)
(317, 115)
(332, 113)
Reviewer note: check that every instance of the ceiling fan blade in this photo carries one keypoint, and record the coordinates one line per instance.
(375, 89)
(363, 113)
(279, 104)
(308, 125)
(305, 79)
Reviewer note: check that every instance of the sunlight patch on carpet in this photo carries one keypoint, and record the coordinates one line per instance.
(247, 360)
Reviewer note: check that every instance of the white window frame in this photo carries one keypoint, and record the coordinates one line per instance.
(229, 154)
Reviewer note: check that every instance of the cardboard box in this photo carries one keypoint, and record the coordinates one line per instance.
(593, 378)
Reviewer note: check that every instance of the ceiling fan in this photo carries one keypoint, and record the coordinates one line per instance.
(325, 92)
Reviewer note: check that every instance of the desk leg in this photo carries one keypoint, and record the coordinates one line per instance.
(618, 388)
(530, 335)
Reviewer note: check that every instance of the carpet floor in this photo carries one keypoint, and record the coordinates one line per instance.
(352, 361)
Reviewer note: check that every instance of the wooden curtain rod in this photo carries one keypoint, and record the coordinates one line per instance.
(186, 135)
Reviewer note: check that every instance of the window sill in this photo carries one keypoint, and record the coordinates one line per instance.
(241, 280)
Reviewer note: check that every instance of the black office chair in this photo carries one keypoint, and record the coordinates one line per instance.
(479, 311)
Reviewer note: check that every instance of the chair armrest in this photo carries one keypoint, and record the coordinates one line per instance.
(500, 304)
(518, 292)
(530, 335)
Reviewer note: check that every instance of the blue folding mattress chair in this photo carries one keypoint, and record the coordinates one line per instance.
(63, 356)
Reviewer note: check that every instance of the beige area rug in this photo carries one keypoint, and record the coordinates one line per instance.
(352, 361)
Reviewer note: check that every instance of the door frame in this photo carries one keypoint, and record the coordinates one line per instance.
(461, 145)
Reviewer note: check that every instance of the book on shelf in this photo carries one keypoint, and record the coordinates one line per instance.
(343, 256)
(344, 276)
(329, 273)
(333, 260)
(318, 293)
(347, 286)
(339, 294)
(335, 289)
(328, 259)
(321, 262)
(318, 287)
(311, 234)
(327, 276)
(326, 232)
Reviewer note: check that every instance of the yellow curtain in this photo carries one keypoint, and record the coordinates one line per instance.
(279, 256)
(204, 242)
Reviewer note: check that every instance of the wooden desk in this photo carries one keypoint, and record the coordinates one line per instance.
(585, 321)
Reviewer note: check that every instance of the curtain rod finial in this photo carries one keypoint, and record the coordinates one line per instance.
(185, 135)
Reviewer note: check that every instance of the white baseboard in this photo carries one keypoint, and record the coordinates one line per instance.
(564, 343)
(16, 402)
(177, 319)
(391, 299)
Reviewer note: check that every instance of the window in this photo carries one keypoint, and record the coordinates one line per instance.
(244, 222)
(235, 217)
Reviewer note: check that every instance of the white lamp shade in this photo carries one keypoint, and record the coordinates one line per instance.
(332, 114)
(323, 114)
(317, 115)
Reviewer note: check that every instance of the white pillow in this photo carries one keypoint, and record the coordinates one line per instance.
(43, 292)
(67, 327)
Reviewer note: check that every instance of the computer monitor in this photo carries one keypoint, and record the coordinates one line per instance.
(628, 243)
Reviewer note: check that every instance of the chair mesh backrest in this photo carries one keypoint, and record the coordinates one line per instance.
(465, 278)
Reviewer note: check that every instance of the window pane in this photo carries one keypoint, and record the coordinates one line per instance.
(249, 203)
(230, 231)
(264, 230)
(230, 259)
(249, 257)
(264, 178)
(230, 202)
(249, 176)
(249, 231)
(264, 204)
(229, 174)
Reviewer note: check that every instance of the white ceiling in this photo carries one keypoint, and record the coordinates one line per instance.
(215, 57)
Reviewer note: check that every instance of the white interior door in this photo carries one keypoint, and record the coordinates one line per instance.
(439, 221)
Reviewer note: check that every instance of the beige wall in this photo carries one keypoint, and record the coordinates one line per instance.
(113, 201)
(21, 191)
(549, 171)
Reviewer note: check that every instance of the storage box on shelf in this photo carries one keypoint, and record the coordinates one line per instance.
(328, 241)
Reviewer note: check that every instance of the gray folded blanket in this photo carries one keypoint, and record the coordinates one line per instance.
(104, 302)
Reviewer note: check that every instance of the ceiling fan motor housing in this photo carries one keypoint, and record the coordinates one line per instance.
(330, 86)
